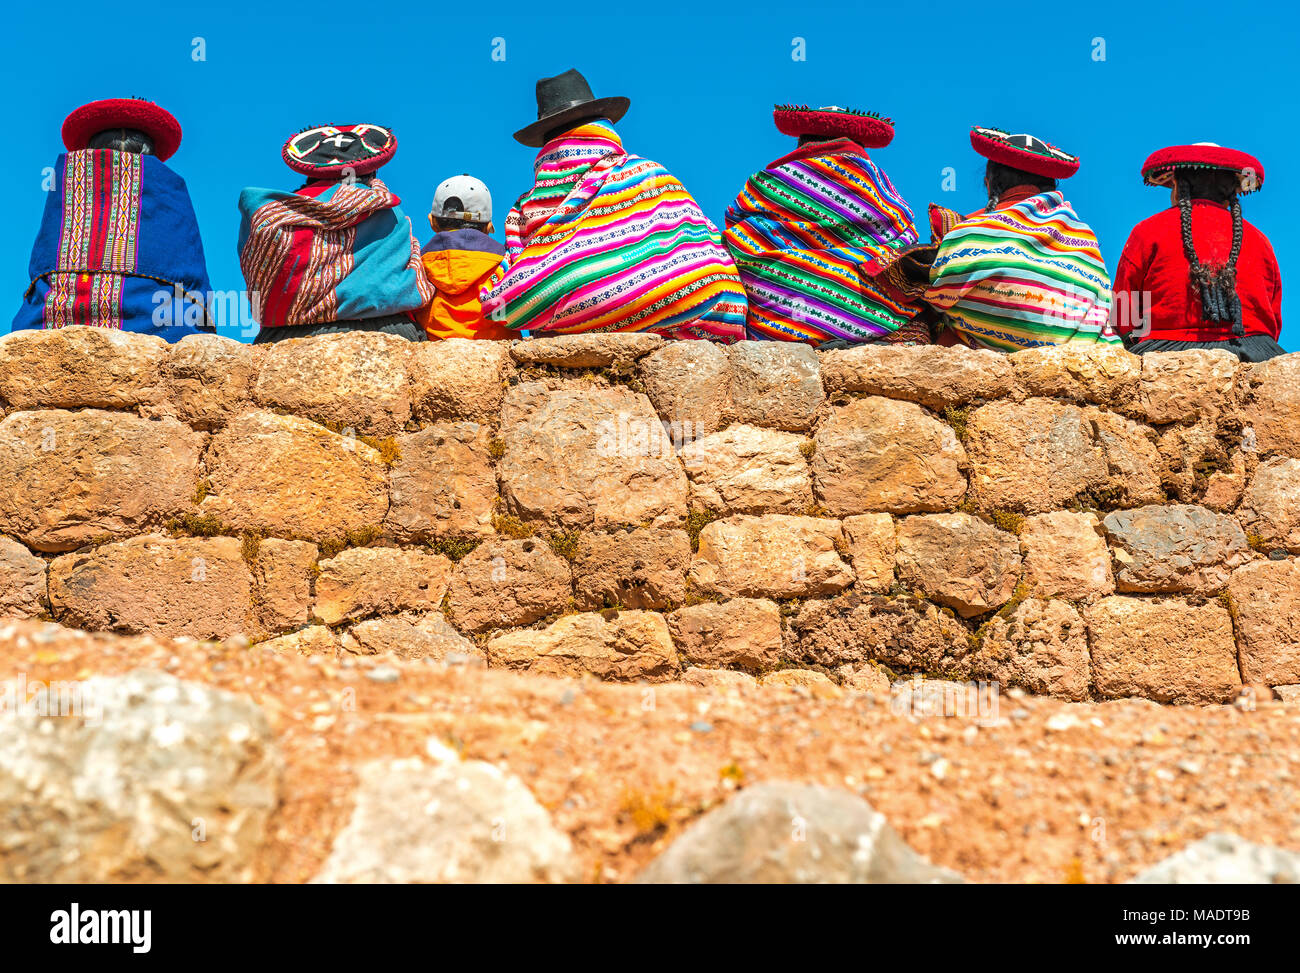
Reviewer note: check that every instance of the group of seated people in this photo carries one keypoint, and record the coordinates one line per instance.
(819, 246)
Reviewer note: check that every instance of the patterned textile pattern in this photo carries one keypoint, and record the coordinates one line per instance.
(118, 248)
(607, 241)
(331, 251)
(1024, 276)
(808, 234)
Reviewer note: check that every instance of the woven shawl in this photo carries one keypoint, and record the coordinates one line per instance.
(1024, 276)
(808, 234)
(329, 252)
(118, 247)
(607, 241)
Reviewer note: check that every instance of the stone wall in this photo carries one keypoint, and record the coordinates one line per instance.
(1083, 523)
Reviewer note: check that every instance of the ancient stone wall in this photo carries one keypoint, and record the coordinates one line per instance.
(1088, 524)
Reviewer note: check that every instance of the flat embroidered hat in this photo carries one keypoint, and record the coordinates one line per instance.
(868, 129)
(101, 116)
(332, 151)
(1023, 152)
(1160, 166)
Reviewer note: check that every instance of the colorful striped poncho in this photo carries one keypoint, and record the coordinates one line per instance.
(118, 247)
(808, 233)
(329, 252)
(1024, 276)
(606, 241)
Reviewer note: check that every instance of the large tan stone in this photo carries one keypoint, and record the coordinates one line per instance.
(366, 581)
(905, 633)
(958, 560)
(775, 383)
(1104, 374)
(427, 636)
(1162, 649)
(742, 632)
(1132, 459)
(293, 478)
(193, 586)
(880, 455)
(930, 374)
(1270, 507)
(872, 545)
(1200, 465)
(588, 457)
(1273, 405)
(1182, 386)
(443, 485)
(621, 646)
(1065, 556)
(70, 478)
(459, 378)
(1265, 598)
(642, 568)
(312, 640)
(283, 575)
(1174, 548)
(355, 380)
(1041, 647)
(80, 367)
(748, 470)
(22, 580)
(503, 583)
(614, 350)
(773, 556)
(1032, 456)
(689, 384)
(207, 380)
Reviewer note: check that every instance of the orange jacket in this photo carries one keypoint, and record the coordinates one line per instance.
(455, 311)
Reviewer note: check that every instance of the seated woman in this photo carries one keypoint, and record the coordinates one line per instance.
(605, 240)
(1197, 275)
(1024, 271)
(811, 233)
(119, 246)
(337, 254)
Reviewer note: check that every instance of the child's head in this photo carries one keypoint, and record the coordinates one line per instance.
(461, 202)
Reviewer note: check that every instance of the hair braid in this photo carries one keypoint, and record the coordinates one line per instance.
(1217, 285)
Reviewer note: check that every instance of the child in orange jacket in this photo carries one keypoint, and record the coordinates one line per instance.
(459, 260)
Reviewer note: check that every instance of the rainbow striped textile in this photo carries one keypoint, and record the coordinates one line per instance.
(1024, 276)
(606, 241)
(808, 234)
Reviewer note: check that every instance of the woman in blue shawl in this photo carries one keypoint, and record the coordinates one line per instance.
(119, 245)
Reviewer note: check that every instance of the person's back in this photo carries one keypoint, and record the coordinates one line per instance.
(1026, 271)
(1197, 275)
(460, 260)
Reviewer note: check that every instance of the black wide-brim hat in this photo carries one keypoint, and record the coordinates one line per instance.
(567, 98)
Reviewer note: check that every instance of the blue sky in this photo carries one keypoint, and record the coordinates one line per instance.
(702, 78)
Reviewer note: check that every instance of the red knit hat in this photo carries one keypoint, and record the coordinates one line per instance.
(868, 129)
(331, 151)
(1160, 166)
(100, 116)
(1023, 152)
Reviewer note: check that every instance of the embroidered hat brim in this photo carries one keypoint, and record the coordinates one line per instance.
(1023, 152)
(868, 129)
(1161, 165)
(335, 151)
(100, 116)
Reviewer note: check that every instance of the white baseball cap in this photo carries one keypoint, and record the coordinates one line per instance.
(463, 198)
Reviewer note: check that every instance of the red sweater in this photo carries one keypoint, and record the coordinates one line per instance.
(1153, 262)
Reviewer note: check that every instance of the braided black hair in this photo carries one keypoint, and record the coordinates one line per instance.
(122, 140)
(1002, 177)
(1216, 285)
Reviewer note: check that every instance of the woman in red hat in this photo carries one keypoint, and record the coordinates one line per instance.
(119, 244)
(1197, 275)
(1025, 271)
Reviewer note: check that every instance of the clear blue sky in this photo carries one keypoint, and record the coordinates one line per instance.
(702, 78)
